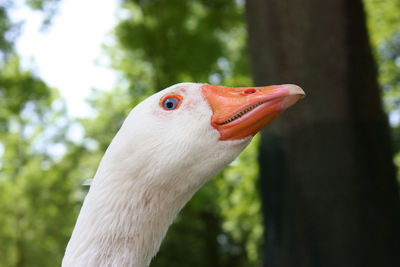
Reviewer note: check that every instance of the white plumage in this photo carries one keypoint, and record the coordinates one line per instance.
(153, 166)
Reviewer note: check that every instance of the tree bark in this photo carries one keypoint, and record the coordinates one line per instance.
(328, 184)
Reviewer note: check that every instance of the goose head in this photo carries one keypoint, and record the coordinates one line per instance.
(167, 148)
(198, 128)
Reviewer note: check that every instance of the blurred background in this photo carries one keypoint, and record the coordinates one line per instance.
(317, 188)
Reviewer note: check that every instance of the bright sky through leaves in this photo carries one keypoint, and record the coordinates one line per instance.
(65, 55)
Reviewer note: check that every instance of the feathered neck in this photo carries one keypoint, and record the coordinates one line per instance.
(124, 219)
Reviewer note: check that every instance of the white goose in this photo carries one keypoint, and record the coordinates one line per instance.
(167, 148)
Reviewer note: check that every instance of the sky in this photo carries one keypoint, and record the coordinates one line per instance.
(68, 55)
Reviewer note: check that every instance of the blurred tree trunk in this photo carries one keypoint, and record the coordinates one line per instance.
(328, 183)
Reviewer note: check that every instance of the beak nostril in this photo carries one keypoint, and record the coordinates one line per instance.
(249, 91)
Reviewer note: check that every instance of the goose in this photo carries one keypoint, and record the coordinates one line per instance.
(167, 148)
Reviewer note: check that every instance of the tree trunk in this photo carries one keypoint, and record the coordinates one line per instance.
(328, 183)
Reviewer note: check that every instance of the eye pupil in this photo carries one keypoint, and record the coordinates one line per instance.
(170, 103)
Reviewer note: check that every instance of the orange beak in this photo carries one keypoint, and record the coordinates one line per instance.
(239, 112)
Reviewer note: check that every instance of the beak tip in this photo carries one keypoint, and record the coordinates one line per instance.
(295, 90)
(295, 93)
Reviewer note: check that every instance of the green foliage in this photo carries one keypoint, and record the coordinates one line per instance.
(8, 31)
(390, 81)
(17, 89)
(384, 28)
(36, 191)
(383, 19)
(179, 40)
(239, 201)
(39, 199)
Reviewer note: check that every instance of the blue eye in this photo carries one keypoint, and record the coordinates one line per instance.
(171, 102)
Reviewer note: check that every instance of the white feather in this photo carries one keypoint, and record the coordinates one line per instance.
(153, 166)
